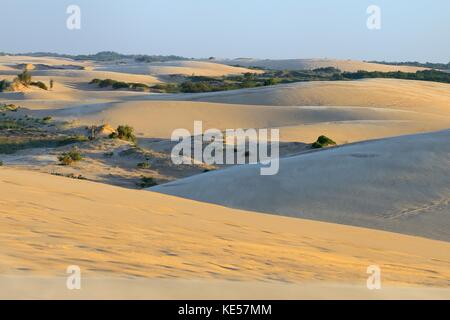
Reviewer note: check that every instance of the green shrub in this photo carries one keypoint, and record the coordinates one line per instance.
(8, 107)
(120, 85)
(39, 84)
(147, 182)
(5, 85)
(167, 87)
(143, 165)
(139, 86)
(48, 118)
(106, 83)
(124, 132)
(70, 157)
(322, 142)
(24, 77)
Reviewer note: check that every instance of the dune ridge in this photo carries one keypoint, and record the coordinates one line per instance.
(399, 184)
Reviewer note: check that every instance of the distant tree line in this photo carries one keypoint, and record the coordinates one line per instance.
(103, 56)
(198, 84)
(431, 65)
(425, 75)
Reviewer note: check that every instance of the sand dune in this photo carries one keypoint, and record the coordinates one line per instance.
(51, 61)
(48, 223)
(302, 124)
(345, 111)
(400, 94)
(187, 68)
(399, 184)
(81, 76)
(356, 110)
(310, 64)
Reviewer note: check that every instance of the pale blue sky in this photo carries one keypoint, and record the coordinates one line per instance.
(411, 29)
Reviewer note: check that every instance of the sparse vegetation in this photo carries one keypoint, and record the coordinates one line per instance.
(102, 56)
(24, 78)
(147, 182)
(70, 175)
(425, 75)
(8, 107)
(9, 145)
(47, 118)
(106, 83)
(124, 132)
(70, 157)
(39, 84)
(143, 165)
(197, 84)
(5, 85)
(430, 65)
(322, 142)
(166, 87)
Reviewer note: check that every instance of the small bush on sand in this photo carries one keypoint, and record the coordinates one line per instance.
(39, 84)
(8, 107)
(48, 118)
(124, 132)
(147, 182)
(5, 85)
(25, 77)
(120, 85)
(322, 142)
(70, 157)
(143, 165)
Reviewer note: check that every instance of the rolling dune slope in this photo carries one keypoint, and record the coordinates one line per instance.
(310, 64)
(302, 124)
(48, 223)
(393, 93)
(400, 184)
(186, 68)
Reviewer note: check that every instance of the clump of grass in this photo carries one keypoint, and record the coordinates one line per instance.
(124, 132)
(1, 163)
(8, 107)
(5, 85)
(70, 157)
(10, 124)
(39, 84)
(322, 142)
(147, 182)
(24, 78)
(143, 165)
(70, 175)
(47, 118)
(105, 83)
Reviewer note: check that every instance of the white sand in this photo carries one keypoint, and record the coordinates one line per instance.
(400, 184)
